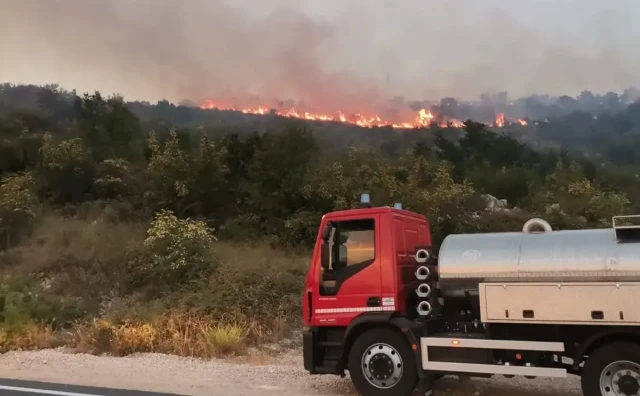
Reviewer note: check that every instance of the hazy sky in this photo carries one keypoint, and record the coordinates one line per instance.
(327, 52)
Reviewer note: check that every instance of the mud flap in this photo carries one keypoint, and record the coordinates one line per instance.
(426, 385)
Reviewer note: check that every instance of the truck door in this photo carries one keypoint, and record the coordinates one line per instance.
(350, 285)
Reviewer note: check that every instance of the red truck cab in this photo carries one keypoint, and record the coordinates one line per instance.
(362, 272)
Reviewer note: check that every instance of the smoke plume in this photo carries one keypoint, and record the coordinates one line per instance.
(329, 54)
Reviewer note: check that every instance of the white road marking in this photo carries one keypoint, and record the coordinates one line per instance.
(44, 391)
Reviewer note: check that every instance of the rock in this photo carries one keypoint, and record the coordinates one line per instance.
(493, 203)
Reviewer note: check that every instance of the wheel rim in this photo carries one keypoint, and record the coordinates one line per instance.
(382, 366)
(621, 378)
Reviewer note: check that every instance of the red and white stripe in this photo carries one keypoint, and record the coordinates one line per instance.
(354, 310)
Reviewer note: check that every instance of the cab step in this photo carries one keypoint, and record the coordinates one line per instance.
(327, 369)
(331, 344)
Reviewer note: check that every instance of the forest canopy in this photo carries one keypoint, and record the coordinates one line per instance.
(271, 179)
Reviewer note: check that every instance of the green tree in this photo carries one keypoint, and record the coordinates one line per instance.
(169, 174)
(65, 170)
(19, 206)
(208, 192)
(109, 127)
(278, 172)
(114, 179)
(573, 200)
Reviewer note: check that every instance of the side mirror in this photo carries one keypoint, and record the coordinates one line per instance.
(324, 256)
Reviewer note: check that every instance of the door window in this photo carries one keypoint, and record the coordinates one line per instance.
(352, 248)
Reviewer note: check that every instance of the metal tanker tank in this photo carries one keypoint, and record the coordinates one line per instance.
(550, 256)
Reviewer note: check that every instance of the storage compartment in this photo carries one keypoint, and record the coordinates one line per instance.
(560, 303)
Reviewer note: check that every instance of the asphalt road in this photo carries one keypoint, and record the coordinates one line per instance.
(30, 388)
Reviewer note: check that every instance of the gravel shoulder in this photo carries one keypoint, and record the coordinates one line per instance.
(253, 376)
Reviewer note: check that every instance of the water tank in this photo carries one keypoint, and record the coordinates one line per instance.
(589, 255)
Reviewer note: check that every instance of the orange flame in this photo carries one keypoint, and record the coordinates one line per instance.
(424, 118)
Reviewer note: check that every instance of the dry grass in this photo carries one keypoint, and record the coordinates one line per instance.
(84, 241)
(29, 336)
(226, 339)
(89, 260)
(181, 335)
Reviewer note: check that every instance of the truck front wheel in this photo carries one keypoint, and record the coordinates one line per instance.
(612, 370)
(381, 363)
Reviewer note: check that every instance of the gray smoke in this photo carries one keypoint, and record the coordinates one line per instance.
(329, 54)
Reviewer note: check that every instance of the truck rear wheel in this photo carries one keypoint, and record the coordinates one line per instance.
(381, 363)
(612, 370)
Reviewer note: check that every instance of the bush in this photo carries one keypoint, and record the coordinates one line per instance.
(226, 338)
(179, 250)
(26, 303)
(18, 207)
(251, 283)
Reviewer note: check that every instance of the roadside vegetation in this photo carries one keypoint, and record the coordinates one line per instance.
(115, 238)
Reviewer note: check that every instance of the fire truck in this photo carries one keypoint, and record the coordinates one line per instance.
(381, 304)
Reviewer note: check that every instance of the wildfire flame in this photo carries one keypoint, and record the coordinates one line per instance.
(424, 118)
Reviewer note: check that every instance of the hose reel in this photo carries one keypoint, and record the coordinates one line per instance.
(424, 308)
(422, 255)
(532, 223)
(424, 290)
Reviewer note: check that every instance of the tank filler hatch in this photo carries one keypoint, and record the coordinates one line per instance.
(626, 228)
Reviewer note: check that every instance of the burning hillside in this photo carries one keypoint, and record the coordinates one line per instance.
(420, 119)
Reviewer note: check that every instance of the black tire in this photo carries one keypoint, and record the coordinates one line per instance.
(408, 379)
(602, 357)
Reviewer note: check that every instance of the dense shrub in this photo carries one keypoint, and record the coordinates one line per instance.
(250, 283)
(25, 301)
(179, 251)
